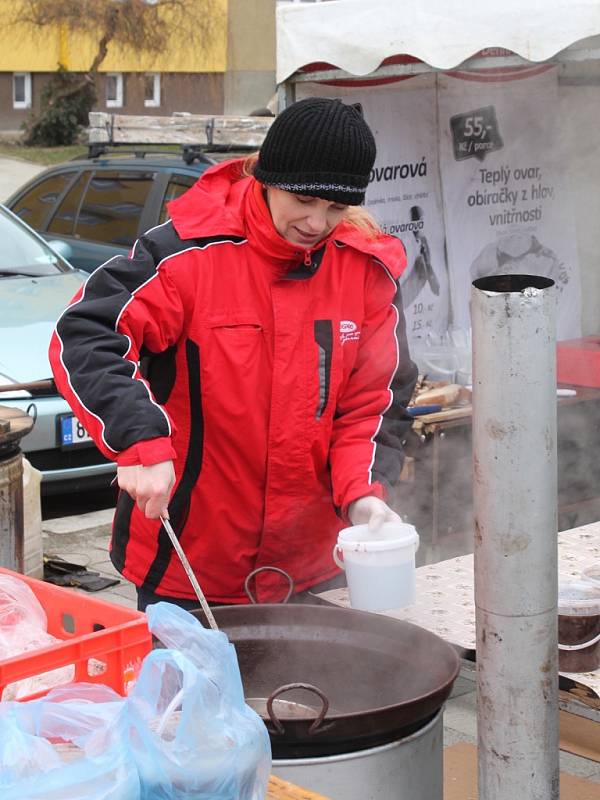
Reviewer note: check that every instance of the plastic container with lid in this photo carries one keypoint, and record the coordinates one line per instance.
(380, 568)
(578, 626)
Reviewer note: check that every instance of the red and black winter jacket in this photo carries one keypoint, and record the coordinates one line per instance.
(275, 378)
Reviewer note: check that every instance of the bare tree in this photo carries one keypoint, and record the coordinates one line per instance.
(142, 27)
(139, 26)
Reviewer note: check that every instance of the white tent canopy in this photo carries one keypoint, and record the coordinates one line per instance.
(358, 35)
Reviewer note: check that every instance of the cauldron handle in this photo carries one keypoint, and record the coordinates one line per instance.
(288, 687)
(271, 569)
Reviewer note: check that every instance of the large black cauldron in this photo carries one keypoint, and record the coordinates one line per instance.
(375, 678)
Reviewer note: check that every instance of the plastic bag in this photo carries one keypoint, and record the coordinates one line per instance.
(23, 627)
(210, 651)
(22, 755)
(19, 606)
(194, 736)
(71, 745)
(184, 732)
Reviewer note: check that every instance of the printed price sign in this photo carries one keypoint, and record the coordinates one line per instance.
(475, 133)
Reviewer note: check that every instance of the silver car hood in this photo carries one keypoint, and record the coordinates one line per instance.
(29, 309)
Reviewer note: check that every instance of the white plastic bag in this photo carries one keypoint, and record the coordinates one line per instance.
(195, 737)
(184, 732)
(72, 744)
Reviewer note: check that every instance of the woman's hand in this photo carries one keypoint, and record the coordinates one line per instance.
(371, 510)
(150, 487)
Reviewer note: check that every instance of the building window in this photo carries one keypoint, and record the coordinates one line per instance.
(114, 89)
(22, 90)
(152, 90)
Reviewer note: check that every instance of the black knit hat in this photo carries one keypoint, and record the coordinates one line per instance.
(318, 147)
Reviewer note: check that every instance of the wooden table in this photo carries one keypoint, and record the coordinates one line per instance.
(283, 790)
(445, 605)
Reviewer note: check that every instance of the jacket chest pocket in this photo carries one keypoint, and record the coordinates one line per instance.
(238, 328)
(235, 348)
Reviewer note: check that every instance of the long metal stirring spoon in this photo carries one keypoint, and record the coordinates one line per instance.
(190, 573)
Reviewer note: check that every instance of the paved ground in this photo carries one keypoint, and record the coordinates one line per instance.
(84, 539)
(14, 173)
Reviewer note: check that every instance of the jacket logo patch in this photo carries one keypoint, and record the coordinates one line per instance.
(349, 331)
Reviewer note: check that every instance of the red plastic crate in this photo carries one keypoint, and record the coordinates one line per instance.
(105, 642)
(578, 361)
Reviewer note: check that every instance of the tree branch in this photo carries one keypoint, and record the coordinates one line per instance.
(106, 39)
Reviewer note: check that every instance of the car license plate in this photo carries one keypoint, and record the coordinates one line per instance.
(72, 432)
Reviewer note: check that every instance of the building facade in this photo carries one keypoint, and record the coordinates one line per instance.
(231, 72)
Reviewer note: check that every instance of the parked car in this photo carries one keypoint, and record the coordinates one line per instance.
(36, 284)
(97, 206)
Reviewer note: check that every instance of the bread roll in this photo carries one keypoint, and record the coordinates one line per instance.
(442, 395)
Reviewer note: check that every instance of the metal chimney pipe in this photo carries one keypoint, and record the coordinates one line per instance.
(516, 560)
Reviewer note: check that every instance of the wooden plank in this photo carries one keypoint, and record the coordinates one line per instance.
(460, 777)
(444, 416)
(192, 129)
(579, 736)
(283, 790)
(584, 692)
(461, 412)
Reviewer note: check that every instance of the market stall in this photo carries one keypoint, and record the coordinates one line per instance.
(488, 165)
(436, 491)
(488, 162)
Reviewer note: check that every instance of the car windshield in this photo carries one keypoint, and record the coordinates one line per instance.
(22, 253)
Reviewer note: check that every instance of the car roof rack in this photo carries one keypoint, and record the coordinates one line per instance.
(189, 152)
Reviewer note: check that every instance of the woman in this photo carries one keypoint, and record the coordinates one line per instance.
(247, 367)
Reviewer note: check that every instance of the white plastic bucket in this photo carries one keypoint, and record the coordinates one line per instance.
(380, 568)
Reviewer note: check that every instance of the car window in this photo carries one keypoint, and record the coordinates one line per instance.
(63, 221)
(176, 187)
(39, 201)
(23, 253)
(112, 206)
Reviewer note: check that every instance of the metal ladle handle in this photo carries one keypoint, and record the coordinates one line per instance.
(190, 573)
(287, 688)
(256, 571)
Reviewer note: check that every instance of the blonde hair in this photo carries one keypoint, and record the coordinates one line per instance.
(354, 215)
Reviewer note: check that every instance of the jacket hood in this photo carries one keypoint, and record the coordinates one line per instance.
(214, 206)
